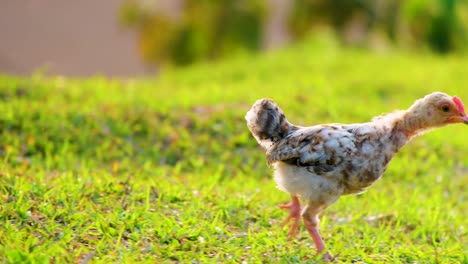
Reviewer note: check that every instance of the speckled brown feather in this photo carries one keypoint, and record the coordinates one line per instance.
(355, 156)
(267, 122)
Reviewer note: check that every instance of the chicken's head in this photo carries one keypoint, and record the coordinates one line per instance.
(439, 109)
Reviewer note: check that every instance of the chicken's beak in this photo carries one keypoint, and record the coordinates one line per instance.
(465, 120)
(458, 119)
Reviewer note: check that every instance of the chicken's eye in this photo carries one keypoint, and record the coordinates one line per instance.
(445, 108)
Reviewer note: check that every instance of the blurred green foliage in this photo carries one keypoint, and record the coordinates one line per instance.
(205, 29)
(210, 29)
(442, 24)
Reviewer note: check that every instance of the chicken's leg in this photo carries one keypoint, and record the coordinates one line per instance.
(311, 222)
(294, 209)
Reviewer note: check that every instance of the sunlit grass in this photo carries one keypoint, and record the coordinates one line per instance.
(165, 170)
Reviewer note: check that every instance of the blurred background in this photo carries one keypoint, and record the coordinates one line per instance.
(142, 37)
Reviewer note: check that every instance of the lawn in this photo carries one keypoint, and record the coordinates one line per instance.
(164, 170)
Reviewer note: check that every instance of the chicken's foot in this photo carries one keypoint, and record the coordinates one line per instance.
(294, 208)
(314, 233)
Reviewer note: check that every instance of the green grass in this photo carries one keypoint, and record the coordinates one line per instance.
(106, 170)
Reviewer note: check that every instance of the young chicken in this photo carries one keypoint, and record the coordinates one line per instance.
(320, 163)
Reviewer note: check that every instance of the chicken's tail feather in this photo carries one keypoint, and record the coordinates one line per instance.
(267, 122)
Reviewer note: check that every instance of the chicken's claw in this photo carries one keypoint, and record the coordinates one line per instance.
(294, 208)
